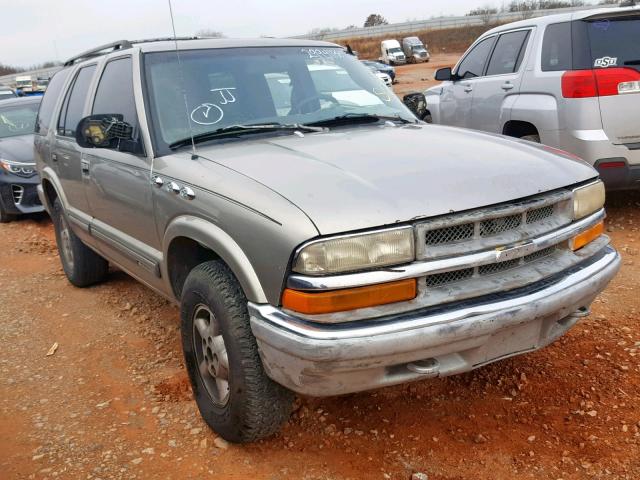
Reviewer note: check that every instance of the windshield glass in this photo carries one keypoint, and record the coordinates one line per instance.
(615, 42)
(395, 50)
(17, 120)
(245, 86)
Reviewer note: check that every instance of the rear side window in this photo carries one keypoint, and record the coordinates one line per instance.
(49, 101)
(615, 42)
(556, 48)
(115, 91)
(73, 106)
(507, 55)
(473, 64)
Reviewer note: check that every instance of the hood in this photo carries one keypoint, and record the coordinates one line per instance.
(18, 149)
(357, 178)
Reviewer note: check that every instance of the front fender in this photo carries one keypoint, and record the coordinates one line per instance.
(433, 102)
(218, 241)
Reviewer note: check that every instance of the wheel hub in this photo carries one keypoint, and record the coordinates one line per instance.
(211, 354)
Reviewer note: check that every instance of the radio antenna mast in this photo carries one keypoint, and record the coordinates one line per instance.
(194, 154)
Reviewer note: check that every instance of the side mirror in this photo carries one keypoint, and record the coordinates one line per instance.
(106, 131)
(417, 103)
(444, 74)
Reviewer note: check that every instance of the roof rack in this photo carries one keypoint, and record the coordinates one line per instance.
(94, 52)
(120, 45)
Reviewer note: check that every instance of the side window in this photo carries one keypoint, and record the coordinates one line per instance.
(556, 48)
(473, 64)
(115, 92)
(49, 100)
(73, 106)
(507, 55)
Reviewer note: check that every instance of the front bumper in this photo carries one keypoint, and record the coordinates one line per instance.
(323, 360)
(19, 195)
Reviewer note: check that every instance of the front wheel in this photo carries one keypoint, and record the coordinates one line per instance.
(233, 393)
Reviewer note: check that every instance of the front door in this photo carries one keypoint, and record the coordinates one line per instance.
(118, 182)
(457, 96)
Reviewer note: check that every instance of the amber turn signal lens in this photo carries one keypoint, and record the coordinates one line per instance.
(349, 299)
(587, 236)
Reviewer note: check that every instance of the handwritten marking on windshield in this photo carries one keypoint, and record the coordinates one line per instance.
(207, 114)
(226, 95)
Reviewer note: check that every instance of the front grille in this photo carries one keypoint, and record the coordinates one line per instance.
(490, 228)
(455, 276)
(499, 225)
(18, 193)
(449, 277)
(539, 214)
(453, 234)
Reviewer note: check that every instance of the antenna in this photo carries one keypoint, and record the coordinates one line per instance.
(194, 154)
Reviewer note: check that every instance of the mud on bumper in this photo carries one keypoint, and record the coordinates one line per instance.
(324, 360)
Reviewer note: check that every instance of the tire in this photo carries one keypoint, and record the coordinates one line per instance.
(427, 118)
(4, 216)
(219, 347)
(82, 266)
(531, 138)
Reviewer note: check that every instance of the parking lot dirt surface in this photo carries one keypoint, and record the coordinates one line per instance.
(113, 400)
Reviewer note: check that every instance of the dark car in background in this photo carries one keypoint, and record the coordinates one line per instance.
(18, 178)
(381, 67)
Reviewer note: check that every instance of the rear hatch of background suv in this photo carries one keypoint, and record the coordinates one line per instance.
(614, 44)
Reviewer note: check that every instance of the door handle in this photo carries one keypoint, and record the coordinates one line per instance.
(507, 86)
(65, 156)
(468, 89)
(84, 165)
(54, 157)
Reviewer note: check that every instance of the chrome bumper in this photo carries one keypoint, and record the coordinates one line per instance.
(322, 360)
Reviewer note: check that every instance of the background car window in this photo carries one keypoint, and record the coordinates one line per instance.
(73, 106)
(17, 120)
(115, 92)
(49, 101)
(556, 48)
(507, 55)
(473, 64)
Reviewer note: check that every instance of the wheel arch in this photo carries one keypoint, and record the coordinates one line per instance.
(190, 241)
(519, 129)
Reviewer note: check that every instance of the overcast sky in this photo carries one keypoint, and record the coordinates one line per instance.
(35, 31)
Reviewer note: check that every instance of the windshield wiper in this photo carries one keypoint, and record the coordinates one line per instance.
(351, 118)
(235, 130)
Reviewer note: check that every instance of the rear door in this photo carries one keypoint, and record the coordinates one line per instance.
(66, 154)
(501, 79)
(456, 97)
(615, 46)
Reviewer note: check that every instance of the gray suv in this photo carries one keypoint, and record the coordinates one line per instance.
(317, 237)
(570, 81)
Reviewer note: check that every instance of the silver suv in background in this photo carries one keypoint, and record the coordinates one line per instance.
(570, 81)
(318, 238)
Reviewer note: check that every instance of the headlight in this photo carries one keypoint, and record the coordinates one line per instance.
(356, 252)
(18, 168)
(588, 199)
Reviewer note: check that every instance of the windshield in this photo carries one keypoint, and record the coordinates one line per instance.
(246, 86)
(395, 50)
(615, 42)
(18, 120)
